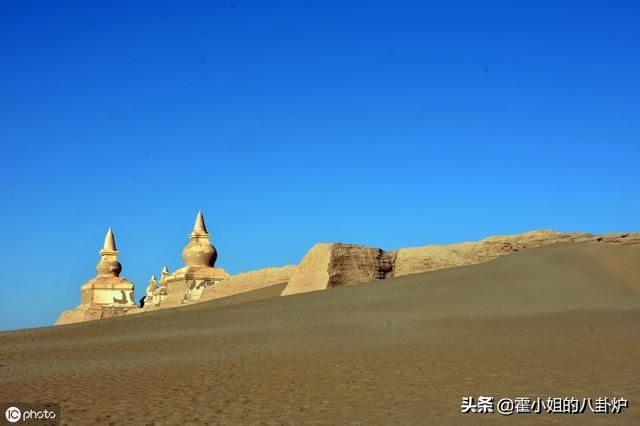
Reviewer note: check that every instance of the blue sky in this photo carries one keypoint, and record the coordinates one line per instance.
(290, 123)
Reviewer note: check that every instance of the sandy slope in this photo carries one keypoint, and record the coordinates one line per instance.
(556, 321)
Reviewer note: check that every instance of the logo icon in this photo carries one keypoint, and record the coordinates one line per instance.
(13, 414)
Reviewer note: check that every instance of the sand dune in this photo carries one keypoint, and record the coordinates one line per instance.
(561, 320)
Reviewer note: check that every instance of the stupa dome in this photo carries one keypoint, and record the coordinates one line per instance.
(199, 251)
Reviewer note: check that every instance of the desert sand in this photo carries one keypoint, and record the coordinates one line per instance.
(561, 320)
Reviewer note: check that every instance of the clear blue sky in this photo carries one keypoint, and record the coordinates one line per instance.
(289, 123)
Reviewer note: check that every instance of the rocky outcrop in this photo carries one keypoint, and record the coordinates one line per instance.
(431, 258)
(248, 281)
(629, 238)
(335, 264)
(329, 265)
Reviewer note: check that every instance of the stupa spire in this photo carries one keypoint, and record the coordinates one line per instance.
(199, 227)
(109, 241)
(109, 264)
(151, 288)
